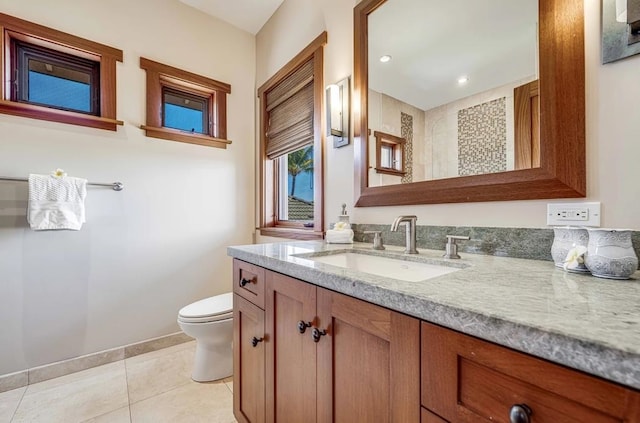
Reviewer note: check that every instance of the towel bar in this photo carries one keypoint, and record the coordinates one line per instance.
(116, 186)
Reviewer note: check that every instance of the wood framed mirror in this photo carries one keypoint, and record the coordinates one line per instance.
(561, 86)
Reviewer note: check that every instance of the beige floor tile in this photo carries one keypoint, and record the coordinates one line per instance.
(191, 403)
(159, 371)
(75, 397)
(119, 416)
(9, 401)
(229, 382)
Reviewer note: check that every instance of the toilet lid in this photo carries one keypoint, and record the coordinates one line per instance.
(209, 307)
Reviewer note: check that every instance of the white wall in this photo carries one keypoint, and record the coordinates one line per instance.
(613, 140)
(159, 244)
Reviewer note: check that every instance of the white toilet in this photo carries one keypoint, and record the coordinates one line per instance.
(210, 322)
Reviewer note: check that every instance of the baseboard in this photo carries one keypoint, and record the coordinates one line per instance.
(49, 371)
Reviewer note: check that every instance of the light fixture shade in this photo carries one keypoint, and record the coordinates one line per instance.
(337, 99)
(334, 99)
(621, 11)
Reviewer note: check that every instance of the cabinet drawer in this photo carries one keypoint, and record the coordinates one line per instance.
(465, 379)
(248, 282)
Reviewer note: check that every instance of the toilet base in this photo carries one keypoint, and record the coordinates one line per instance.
(212, 362)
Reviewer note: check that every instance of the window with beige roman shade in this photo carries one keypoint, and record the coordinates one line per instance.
(291, 105)
(290, 113)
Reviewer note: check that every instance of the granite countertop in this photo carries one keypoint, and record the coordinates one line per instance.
(577, 320)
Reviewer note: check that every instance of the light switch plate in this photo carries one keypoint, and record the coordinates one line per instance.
(575, 214)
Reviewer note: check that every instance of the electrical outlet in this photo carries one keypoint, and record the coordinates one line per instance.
(580, 214)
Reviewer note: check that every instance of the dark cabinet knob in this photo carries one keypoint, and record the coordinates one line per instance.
(520, 413)
(244, 281)
(316, 334)
(302, 326)
(255, 341)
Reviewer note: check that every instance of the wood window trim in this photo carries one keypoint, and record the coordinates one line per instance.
(269, 224)
(65, 66)
(396, 143)
(159, 76)
(12, 28)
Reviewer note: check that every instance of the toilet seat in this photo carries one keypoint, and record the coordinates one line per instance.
(210, 309)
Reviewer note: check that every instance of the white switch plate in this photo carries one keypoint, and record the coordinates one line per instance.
(576, 214)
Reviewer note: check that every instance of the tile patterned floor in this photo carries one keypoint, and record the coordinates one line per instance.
(155, 387)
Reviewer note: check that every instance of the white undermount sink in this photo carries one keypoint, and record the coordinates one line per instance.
(399, 267)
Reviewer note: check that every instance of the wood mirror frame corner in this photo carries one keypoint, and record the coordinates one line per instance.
(562, 171)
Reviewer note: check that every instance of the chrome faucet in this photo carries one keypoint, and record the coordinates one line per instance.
(410, 223)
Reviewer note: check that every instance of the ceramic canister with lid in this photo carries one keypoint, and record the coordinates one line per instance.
(565, 238)
(610, 253)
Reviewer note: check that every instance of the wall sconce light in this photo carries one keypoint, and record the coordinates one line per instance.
(628, 12)
(337, 98)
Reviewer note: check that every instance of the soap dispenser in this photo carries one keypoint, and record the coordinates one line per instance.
(344, 217)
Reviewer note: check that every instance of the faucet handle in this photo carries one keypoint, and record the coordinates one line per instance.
(451, 249)
(377, 239)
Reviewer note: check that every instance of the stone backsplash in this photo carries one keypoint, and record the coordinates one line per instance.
(524, 243)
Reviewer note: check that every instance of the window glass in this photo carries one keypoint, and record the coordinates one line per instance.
(58, 80)
(397, 160)
(185, 112)
(296, 190)
(65, 93)
(386, 152)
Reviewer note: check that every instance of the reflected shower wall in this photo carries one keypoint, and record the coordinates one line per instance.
(470, 136)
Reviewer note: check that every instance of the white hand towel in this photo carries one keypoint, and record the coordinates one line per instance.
(340, 236)
(56, 203)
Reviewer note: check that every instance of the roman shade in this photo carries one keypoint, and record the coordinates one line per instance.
(290, 110)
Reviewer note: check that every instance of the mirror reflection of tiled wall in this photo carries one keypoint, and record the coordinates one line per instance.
(470, 136)
(482, 138)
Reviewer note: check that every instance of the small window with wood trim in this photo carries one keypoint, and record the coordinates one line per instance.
(51, 75)
(291, 147)
(389, 154)
(184, 111)
(54, 79)
(185, 107)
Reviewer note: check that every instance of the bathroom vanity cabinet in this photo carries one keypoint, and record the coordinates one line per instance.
(465, 379)
(327, 357)
(303, 353)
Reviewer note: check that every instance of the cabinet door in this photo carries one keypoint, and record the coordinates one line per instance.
(291, 355)
(248, 361)
(368, 362)
(468, 380)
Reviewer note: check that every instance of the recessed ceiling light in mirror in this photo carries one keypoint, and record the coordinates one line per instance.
(386, 58)
(463, 80)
